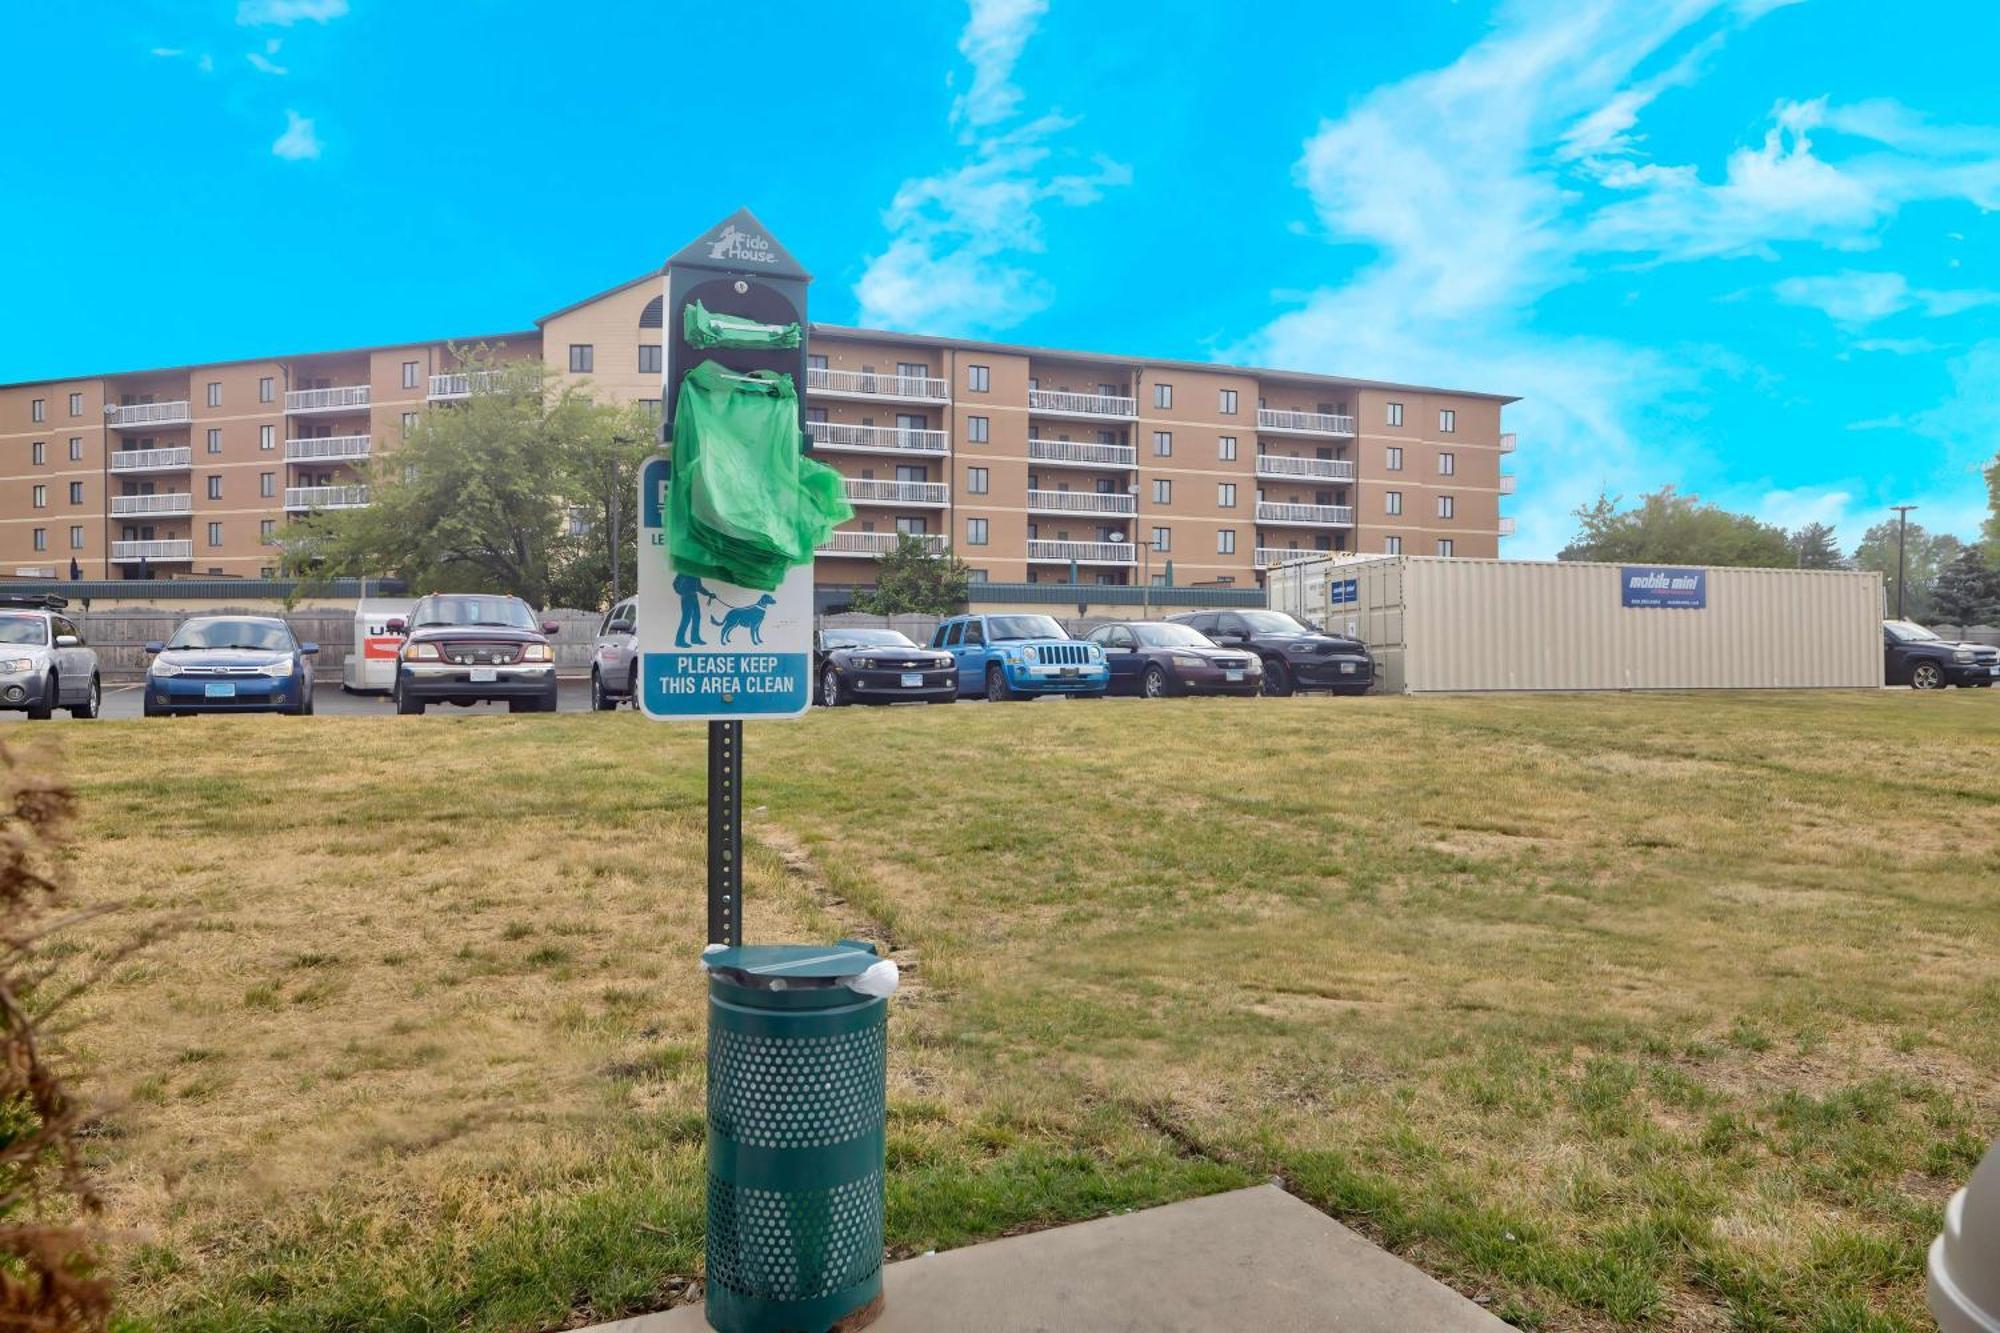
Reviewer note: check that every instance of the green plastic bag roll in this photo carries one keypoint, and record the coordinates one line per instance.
(702, 328)
(745, 504)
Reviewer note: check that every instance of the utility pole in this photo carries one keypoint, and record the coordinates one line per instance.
(1902, 530)
(617, 503)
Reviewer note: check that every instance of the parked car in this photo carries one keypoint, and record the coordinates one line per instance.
(1914, 656)
(880, 666)
(1296, 656)
(467, 648)
(614, 658)
(230, 664)
(1157, 658)
(1009, 656)
(44, 662)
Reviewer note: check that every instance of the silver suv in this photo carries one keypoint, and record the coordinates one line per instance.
(614, 658)
(44, 662)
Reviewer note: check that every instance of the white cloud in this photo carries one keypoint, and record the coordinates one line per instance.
(284, 13)
(951, 263)
(264, 65)
(1855, 298)
(168, 52)
(206, 64)
(300, 141)
(1897, 346)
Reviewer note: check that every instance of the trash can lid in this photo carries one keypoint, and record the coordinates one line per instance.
(761, 964)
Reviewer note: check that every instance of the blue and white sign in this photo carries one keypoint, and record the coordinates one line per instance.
(711, 651)
(1343, 592)
(1658, 586)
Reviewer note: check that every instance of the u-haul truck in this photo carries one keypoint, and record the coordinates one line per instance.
(371, 663)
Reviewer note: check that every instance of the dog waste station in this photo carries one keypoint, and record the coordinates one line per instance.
(797, 1033)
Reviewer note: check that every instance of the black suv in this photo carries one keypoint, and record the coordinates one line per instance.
(1914, 656)
(1296, 656)
(464, 648)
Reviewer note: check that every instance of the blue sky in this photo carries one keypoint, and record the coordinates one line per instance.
(1744, 246)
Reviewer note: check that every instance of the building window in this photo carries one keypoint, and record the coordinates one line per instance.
(76, 448)
(654, 406)
(1395, 414)
(267, 437)
(1163, 539)
(1447, 507)
(975, 480)
(978, 379)
(41, 539)
(267, 484)
(267, 530)
(649, 358)
(1225, 448)
(1225, 495)
(1163, 443)
(215, 393)
(975, 532)
(215, 486)
(1225, 541)
(1447, 421)
(976, 430)
(410, 373)
(1392, 502)
(1447, 465)
(1444, 546)
(76, 404)
(409, 422)
(76, 537)
(978, 575)
(39, 409)
(1163, 491)
(76, 492)
(215, 534)
(38, 452)
(41, 497)
(267, 389)
(815, 361)
(215, 439)
(582, 358)
(1395, 463)
(1227, 402)
(1163, 395)
(1392, 545)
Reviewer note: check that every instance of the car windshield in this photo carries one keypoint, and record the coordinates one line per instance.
(867, 638)
(269, 636)
(24, 629)
(1906, 632)
(498, 612)
(1273, 622)
(1172, 636)
(1000, 629)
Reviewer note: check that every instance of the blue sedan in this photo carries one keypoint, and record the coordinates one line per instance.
(230, 664)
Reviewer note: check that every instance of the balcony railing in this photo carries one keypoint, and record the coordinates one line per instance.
(132, 415)
(326, 497)
(1269, 556)
(862, 490)
(1336, 516)
(876, 439)
(1084, 553)
(877, 543)
(1507, 443)
(177, 502)
(1066, 453)
(151, 460)
(1319, 469)
(1303, 423)
(326, 448)
(1063, 403)
(1508, 482)
(129, 553)
(1506, 527)
(344, 398)
(465, 383)
(1082, 502)
(875, 384)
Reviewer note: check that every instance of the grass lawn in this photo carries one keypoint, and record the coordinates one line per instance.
(1659, 1012)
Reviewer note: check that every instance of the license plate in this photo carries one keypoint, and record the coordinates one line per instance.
(220, 689)
(1232, 675)
(1995, 671)
(484, 675)
(913, 680)
(1347, 668)
(1069, 671)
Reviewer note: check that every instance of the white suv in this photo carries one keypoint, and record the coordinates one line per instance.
(44, 662)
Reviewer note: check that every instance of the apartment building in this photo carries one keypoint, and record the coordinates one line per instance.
(1032, 464)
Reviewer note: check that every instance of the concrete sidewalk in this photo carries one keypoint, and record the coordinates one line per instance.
(1252, 1259)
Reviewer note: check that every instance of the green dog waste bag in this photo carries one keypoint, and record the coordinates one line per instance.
(745, 504)
(702, 329)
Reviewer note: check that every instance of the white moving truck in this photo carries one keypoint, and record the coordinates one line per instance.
(371, 663)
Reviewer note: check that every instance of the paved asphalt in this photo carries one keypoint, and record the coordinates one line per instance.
(122, 701)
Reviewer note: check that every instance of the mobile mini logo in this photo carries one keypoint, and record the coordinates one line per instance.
(734, 244)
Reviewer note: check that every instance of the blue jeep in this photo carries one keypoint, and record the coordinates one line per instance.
(1008, 656)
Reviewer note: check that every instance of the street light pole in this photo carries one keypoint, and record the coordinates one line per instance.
(1902, 530)
(1146, 576)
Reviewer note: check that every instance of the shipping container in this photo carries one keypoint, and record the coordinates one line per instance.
(1442, 624)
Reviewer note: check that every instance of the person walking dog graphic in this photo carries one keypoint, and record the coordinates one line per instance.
(688, 588)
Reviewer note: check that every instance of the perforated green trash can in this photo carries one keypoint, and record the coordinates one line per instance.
(797, 1089)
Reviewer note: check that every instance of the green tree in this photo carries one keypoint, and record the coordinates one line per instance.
(911, 581)
(1816, 546)
(1967, 591)
(1925, 555)
(508, 491)
(1673, 529)
(1989, 531)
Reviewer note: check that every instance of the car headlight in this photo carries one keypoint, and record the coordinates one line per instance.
(14, 665)
(420, 652)
(280, 668)
(1302, 646)
(538, 652)
(165, 668)
(1027, 654)
(1961, 655)
(1186, 660)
